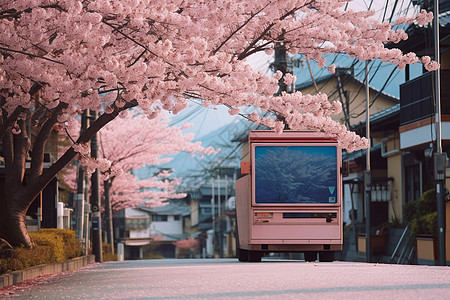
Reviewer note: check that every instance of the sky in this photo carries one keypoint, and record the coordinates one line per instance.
(204, 120)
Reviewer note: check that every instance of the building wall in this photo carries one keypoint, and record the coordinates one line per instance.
(194, 207)
(132, 212)
(445, 60)
(169, 227)
(357, 199)
(395, 171)
(144, 233)
(445, 64)
(357, 97)
(135, 214)
(447, 230)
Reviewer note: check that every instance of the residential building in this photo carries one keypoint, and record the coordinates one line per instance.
(215, 231)
(167, 226)
(132, 228)
(403, 140)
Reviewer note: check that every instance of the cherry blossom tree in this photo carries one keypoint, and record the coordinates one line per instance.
(58, 57)
(128, 144)
(187, 245)
(146, 143)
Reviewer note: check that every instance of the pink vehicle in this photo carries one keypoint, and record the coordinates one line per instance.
(291, 199)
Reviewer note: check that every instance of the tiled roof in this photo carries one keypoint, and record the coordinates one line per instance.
(174, 207)
(349, 156)
(328, 77)
(388, 112)
(444, 18)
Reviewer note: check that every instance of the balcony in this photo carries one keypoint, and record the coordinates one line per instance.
(417, 109)
(416, 98)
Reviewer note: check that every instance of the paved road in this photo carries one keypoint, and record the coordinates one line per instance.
(228, 279)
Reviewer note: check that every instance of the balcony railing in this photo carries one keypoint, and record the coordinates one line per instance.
(416, 97)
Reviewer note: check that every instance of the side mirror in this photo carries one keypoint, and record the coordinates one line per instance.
(245, 167)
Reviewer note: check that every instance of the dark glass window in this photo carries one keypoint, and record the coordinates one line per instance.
(159, 218)
(412, 182)
(295, 174)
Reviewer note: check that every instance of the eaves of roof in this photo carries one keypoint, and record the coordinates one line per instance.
(381, 116)
(174, 207)
(350, 156)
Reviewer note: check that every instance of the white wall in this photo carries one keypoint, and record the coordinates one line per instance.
(169, 227)
(132, 212)
(347, 204)
(135, 213)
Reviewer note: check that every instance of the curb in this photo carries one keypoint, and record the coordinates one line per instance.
(16, 277)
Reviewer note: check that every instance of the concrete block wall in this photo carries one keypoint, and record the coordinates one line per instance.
(52, 268)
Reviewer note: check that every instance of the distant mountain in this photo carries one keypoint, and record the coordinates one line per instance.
(194, 169)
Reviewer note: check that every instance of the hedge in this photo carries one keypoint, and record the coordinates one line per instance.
(50, 245)
(421, 214)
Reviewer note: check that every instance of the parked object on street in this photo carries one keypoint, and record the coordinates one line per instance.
(291, 199)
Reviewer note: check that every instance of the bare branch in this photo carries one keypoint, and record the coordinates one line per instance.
(31, 55)
(129, 37)
(238, 29)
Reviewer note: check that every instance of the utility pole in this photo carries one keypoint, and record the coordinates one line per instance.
(79, 197)
(367, 174)
(96, 201)
(440, 159)
(108, 213)
(219, 204)
(280, 64)
(213, 211)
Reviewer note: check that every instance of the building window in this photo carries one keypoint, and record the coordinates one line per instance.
(176, 218)
(159, 218)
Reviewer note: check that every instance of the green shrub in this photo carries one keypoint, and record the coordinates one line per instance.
(426, 224)
(151, 255)
(107, 253)
(421, 214)
(50, 245)
(21, 258)
(55, 242)
(71, 246)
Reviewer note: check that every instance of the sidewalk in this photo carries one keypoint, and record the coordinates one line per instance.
(33, 272)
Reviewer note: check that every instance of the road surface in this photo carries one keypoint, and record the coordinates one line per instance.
(230, 279)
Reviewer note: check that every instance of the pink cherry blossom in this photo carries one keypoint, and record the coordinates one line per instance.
(60, 58)
(289, 79)
(130, 143)
(332, 68)
(187, 244)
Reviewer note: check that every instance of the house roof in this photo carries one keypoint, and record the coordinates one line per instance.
(349, 156)
(174, 207)
(392, 114)
(381, 116)
(444, 18)
(349, 77)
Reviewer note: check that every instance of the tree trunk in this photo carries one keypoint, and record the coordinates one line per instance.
(108, 211)
(19, 189)
(13, 227)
